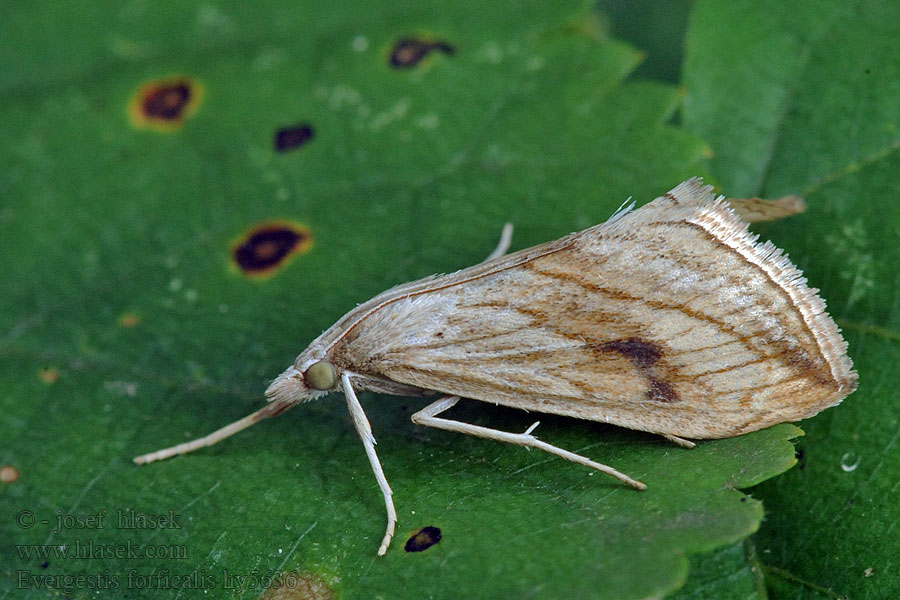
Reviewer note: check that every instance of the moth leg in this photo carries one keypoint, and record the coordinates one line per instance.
(679, 441)
(428, 417)
(361, 423)
(503, 244)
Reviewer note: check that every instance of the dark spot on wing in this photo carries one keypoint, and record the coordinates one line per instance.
(423, 539)
(164, 104)
(288, 138)
(644, 356)
(409, 52)
(268, 245)
(660, 391)
(640, 352)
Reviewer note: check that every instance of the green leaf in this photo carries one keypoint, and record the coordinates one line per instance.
(801, 98)
(657, 28)
(726, 574)
(125, 326)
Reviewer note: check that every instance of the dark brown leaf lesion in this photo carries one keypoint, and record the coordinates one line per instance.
(410, 51)
(268, 245)
(164, 104)
(288, 138)
(423, 539)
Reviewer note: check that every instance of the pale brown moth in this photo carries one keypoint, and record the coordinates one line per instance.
(669, 319)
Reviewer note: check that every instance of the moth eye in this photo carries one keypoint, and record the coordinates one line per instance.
(321, 375)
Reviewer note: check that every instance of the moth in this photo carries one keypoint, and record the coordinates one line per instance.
(670, 319)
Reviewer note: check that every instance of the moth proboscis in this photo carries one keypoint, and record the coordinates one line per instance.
(669, 319)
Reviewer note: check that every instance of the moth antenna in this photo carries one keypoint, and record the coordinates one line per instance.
(270, 410)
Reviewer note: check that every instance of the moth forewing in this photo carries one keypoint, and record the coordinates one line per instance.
(670, 319)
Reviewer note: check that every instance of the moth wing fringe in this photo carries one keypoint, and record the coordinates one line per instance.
(721, 221)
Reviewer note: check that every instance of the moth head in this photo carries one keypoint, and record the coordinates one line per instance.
(306, 379)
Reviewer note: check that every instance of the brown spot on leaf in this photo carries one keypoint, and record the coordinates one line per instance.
(267, 247)
(49, 375)
(288, 138)
(423, 539)
(409, 52)
(799, 453)
(164, 104)
(128, 320)
(8, 474)
(297, 586)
